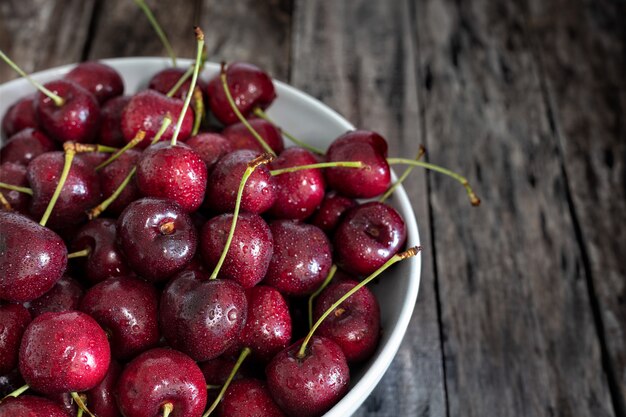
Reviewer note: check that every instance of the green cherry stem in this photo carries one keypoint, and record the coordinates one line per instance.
(79, 254)
(312, 297)
(17, 188)
(96, 211)
(70, 152)
(242, 119)
(16, 393)
(472, 196)
(252, 165)
(396, 258)
(157, 28)
(58, 100)
(5, 203)
(242, 356)
(138, 138)
(80, 412)
(209, 386)
(167, 409)
(81, 404)
(198, 111)
(180, 81)
(404, 176)
(194, 79)
(167, 121)
(343, 164)
(262, 115)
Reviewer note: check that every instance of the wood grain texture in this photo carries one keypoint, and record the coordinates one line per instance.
(359, 58)
(582, 49)
(39, 34)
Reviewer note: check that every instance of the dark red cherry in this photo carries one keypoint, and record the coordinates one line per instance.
(19, 116)
(249, 86)
(298, 193)
(101, 398)
(32, 258)
(216, 371)
(355, 324)
(301, 260)
(15, 174)
(259, 192)
(241, 137)
(93, 159)
(112, 176)
(250, 250)
(210, 146)
(157, 237)
(126, 308)
(13, 321)
(30, 406)
(101, 80)
(311, 385)
(111, 121)
(77, 120)
(174, 173)
(248, 398)
(164, 80)
(64, 296)
(26, 145)
(331, 210)
(368, 236)
(64, 352)
(159, 377)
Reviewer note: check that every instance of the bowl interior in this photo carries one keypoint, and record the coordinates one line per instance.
(316, 123)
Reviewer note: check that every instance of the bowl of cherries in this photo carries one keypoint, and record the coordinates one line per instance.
(193, 240)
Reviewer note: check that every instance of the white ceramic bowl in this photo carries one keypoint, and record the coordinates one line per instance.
(314, 122)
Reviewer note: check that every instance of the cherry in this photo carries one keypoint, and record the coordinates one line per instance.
(331, 210)
(240, 136)
(210, 146)
(101, 398)
(101, 80)
(64, 352)
(160, 380)
(32, 258)
(126, 308)
(250, 88)
(164, 80)
(368, 236)
(248, 398)
(25, 145)
(157, 238)
(216, 371)
(14, 319)
(93, 159)
(111, 121)
(30, 406)
(249, 253)
(10, 382)
(112, 176)
(301, 260)
(355, 325)
(260, 189)
(64, 296)
(15, 174)
(19, 116)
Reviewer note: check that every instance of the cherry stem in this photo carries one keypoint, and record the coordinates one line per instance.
(5, 203)
(472, 196)
(198, 110)
(242, 356)
(312, 297)
(194, 80)
(12, 187)
(58, 100)
(242, 119)
(70, 152)
(421, 152)
(262, 115)
(16, 393)
(167, 228)
(209, 386)
(181, 81)
(97, 211)
(79, 254)
(80, 413)
(396, 258)
(167, 121)
(157, 28)
(167, 409)
(252, 165)
(342, 164)
(138, 138)
(81, 403)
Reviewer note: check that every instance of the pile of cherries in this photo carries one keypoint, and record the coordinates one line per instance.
(148, 248)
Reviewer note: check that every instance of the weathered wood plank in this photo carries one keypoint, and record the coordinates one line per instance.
(39, 34)
(519, 335)
(358, 57)
(582, 49)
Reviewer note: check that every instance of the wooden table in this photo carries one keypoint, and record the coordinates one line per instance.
(522, 309)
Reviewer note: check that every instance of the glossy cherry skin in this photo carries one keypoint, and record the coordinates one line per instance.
(80, 192)
(64, 296)
(101, 398)
(19, 116)
(30, 406)
(13, 318)
(26, 145)
(161, 376)
(153, 250)
(331, 210)
(311, 385)
(163, 81)
(216, 371)
(367, 147)
(355, 324)
(249, 86)
(32, 258)
(112, 176)
(368, 236)
(101, 80)
(210, 146)
(248, 398)
(126, 308)
(15, 174)
(76, 120)
(175, 173)
(146, 111)
(298, 193)
(259, 192)
(64, 352)
(202, 318)
(302, 258)
(250, 250)
(241, 137)
(111, 121)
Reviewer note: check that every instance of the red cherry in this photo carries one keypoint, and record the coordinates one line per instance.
(111, 121)
(210, 146)
(30, 406)
(25, 145)
(164, 80)
(15, 174)
(101, 80)
(248, 398)
(331, 211)
(101, 398)
(14, 319)
(241, 137)
(19, 116)
(64, 296)
(112, 176)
